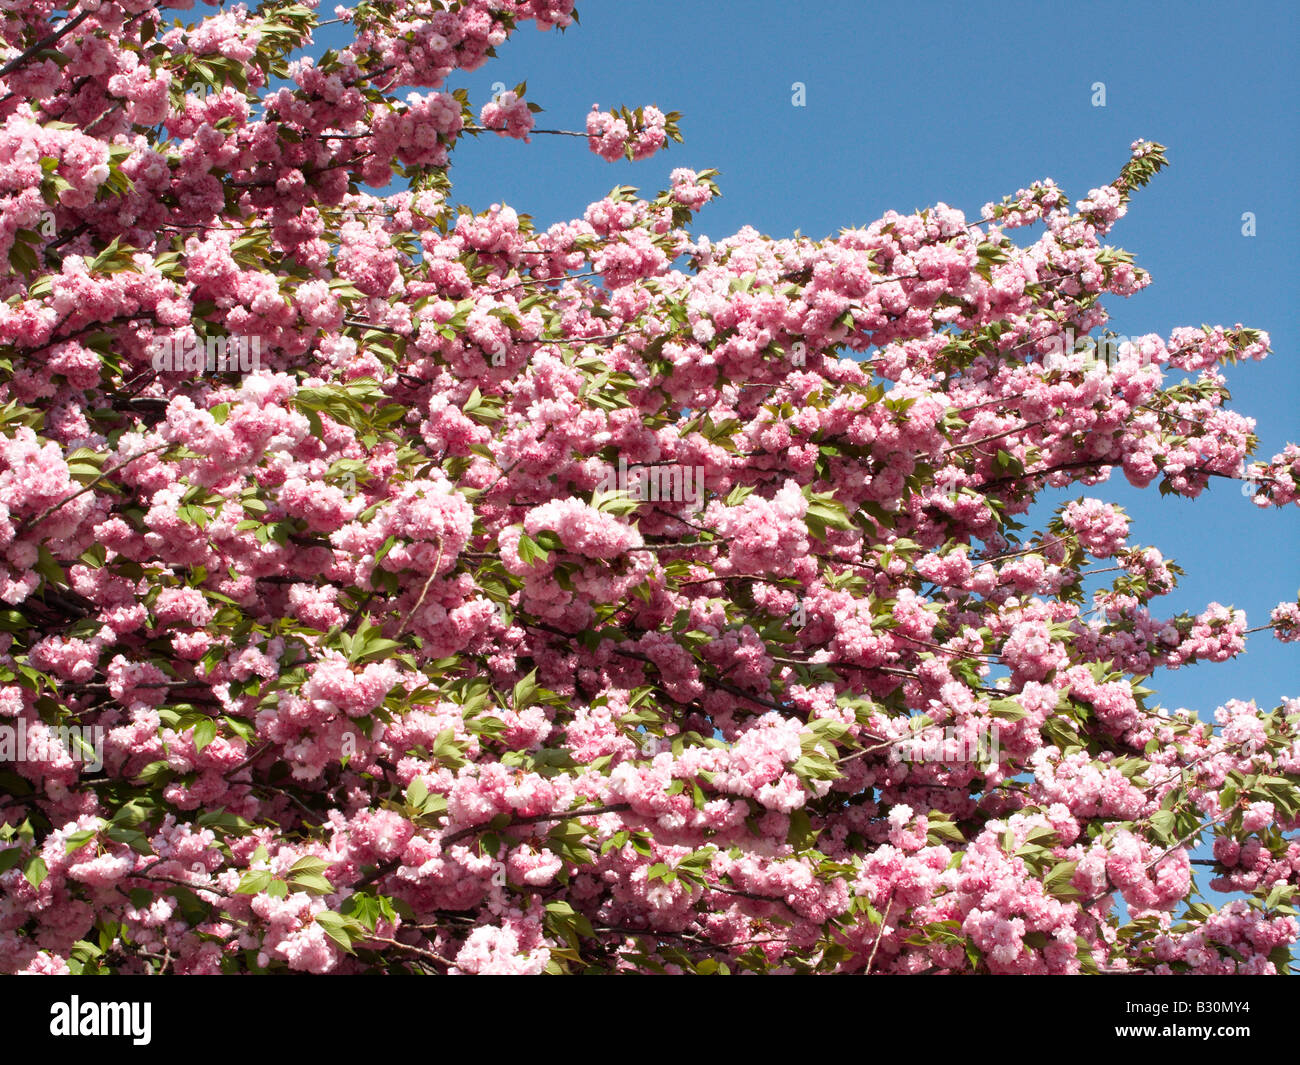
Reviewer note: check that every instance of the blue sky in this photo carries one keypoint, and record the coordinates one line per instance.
(908, 105)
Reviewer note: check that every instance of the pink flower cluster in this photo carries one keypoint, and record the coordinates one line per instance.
(509, 115)
(613, 136)
(1099, 527)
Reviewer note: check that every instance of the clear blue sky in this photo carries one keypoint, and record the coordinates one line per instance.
(914, 103)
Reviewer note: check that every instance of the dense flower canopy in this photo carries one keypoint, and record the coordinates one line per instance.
(396, 664)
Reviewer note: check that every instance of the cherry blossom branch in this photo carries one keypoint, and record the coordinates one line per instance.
(995, 436)
(423, 592)
(45, 42)
(412, 948)
(33, 523)
(552, 132)
(1223, 816)
(589, 811)
(880, 935)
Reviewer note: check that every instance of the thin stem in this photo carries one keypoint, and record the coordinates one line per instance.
(880, 935)
(43, 43)
(588, 811)
(94, 481)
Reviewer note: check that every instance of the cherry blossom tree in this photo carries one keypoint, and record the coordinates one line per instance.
(606, 598)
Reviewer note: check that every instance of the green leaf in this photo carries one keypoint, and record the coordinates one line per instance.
(35, 871)
(800, 834)
(78, 840)
(1163, 824)
(524, 691)
(1057, 882)
(156, 773)
(416, 793)
(313, 883)
(530, 552)
(1007, 709)
(254, 883)
(945, 830)
(336, 927)
(309, 864)
(204, 733)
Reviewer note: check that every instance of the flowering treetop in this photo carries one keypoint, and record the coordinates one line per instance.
(576, 600)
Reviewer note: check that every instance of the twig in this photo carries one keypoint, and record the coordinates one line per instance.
(43, 43)
(587, 811)
(423, 952)
(27, 525)
(423, 592)
(880, 935)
